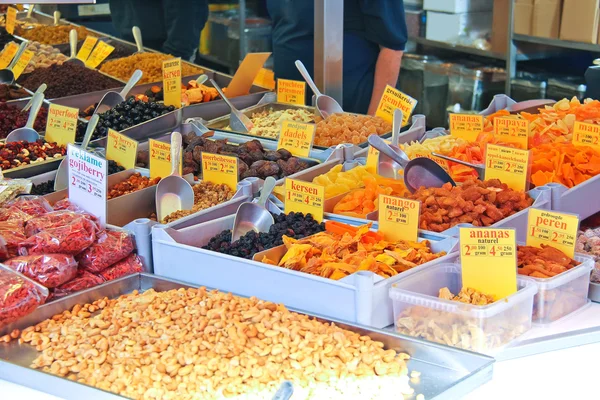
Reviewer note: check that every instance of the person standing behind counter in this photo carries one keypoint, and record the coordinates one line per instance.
(169, 26)
(374, 39)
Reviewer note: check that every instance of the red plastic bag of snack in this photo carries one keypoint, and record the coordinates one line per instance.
(31, 205)
(51, 220)
(50, 270)
(66, 205)
(83, 280)
(19, 295)
(130, 265)
(14, 214)
(111, 246)
(72, 238)
(12, 233)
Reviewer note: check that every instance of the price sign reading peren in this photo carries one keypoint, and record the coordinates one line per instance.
(99, 54)
(11, 20)
(508, 164)
(22, 63)
(585, 134)
(552, 228)
(220, 169)
(304, 197)
(489, 260)
(61, 125)
(172, 82)
(160, 159)
(8, 54)
(393, 99)
(86, 48)
(512, 130)
(466, 126)
(121, 149)
(296, 137)
(291, 92)
(88, 181)
(398, 218)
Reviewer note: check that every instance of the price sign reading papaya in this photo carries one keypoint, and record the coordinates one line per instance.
(99, 54)
(61, 125)
(22, 63)
(398, 218)
(11, 20)
(86, 48)
(304, 197)
(585, 134)
(551, 228)
(160, 159)
(509, 165)
(512, 130)
(121, 149)
(296, 137)
(8, 54)
(393, 99)
(220, 169)
(489, 260)
(466, 126)
(172, 82)
(291, 92)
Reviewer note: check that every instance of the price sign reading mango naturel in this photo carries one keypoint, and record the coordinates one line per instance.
(398, 218)
(585, 134)
(8, 54)
(509, 165)
(512, 130)
(551, 228)
(304, 197)
(489, 260)
(296, 137)
(466, 126)
(172, 82)
(86, 48)
(99, 54)
(22, 63)
(121, 149)
(291, 92)
(393, 99)
(61, 124)
(220, 169)
(160, 159)
(11, 20)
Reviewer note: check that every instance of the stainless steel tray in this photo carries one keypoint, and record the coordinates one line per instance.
(446, 373)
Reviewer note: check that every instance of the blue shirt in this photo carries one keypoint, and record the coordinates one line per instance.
(368, 24)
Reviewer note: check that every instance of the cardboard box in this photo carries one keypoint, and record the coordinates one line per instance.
(500, 26)
(458, 6)
(546, 18)
(523, 17)
(444, 27)
(579, 21)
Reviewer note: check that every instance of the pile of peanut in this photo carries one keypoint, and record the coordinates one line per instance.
(196, 344)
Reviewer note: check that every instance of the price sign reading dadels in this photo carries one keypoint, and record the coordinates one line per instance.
(172, 82)
(296, 137)
(398, 218)
(220, 169)
(555, 229)
(304, 197)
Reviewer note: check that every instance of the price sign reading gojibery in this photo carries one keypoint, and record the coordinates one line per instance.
(121, 149)
(160, 159)
(489, 260)
(551, 228)
(398, 218)
(296, 137)
(291, 92)
(304, 197)
(101, 51)
(512, 130)
(86, 48)
(220, 169)
(88, 181)
(509, 165)
(172, 82)
(466, 126)
(61, 125)
(8, 54)
(393, 99)
(585, 134)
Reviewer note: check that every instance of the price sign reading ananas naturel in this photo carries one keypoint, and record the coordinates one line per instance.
(489, 260)
(172, 82)
(160, 159)
(558, 230)
(393, 99)
(512, 130)
(8, 54)
(585, 134)
(466, 126)
(11, 20)
(86, 48)
(398, 218)
(291, 92)
(99, 54)
(220, 169)
(296, 137)
(304, 197)
(61, 125)
(121, 149)
(22, 63)
(509, 165)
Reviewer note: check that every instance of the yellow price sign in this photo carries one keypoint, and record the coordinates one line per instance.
(509, 165)
(466, 126)
(160, 159)
(554, 229)
(265, 78)
(220, 169)
(86, 48)
(304, 197)
(22, 63)
(11, 20)
(585, 134)
(393, 99)
(512, 130)
(296, 137)
(489, 260)
(8, 54)
(171, 70)
(61, 124)
(121, 149)
(291, 92)
(399, 218)
(99, 54)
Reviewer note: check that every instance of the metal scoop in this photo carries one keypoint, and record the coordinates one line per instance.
(41, 90)
(418, 172)
(174, 193)
(6, 75)
(73, 44)
(326, 105)
(137, 36)
(201, 79)
(56, 17)
(237, 121)
(254, 216)
(480, 168)
(387, 166)
(285, 391)
(111, 99)
(29, 18)
(27, 132)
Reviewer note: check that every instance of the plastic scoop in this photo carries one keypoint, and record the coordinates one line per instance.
(111, 99)
(237, 121)
(254, 216)
(137, 37)
(27, 132)
(174, 193)
(29, 18)
(61, 180)
(418, 172)
(285, 391)
(326, 105)
(56, 17)
(480, 168)
(41, 90)
(6, 75)
(73, 45)
(201, 79)
(387, 166)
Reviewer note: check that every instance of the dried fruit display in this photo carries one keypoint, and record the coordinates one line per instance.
(43, 188)
(111, 247)
(349, 128)
(49, 270)
(18, 296)
(71, 238)
(30, 205)
(588, 242)
(54, 219)
(467, 295)
(268, 123)
(149, 63)
(336, 181)
(12, 92)
(206, 195)
(44, 55)
(191, 93)
(132, 264)
(564, 163)
(53, 34)
(12, 118)
(12, 233)
(441, 144)
(544, 262)
(360, 202)
(19, 154)
(83, 280)
(132, 184)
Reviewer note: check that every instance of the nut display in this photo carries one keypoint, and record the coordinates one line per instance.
(206, 195)
(149, 63)
(11, 118)
(467, 295)
(17, 154)
(588, 242)
(44, 56)
(53, 34)
(349, 128)
(543, 262)
(132, 184)
(268, 123)
(12, 92)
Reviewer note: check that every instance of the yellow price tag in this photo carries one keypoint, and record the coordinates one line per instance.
(509, 165)
(291, 92)
(11, 20)
(99, 54)
(296, 137)
(220, 169)
(304, 197)
(466, 126)
(265, 78)
(373, 158)
(121, 149)
(8, 54)
(489, 260)
(86, 48)
(585, 134)
(393, 99)
(512, 130)
(22, 63)
(172, 82)
(554, 229)
(61, 125)
(399, 218)
(160, 159)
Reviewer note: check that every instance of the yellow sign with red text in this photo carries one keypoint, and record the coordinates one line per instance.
(11, 20)
(554, 229)
(8, 54)
(291, 92)
(22, 63)
(220, 169)
(172, 82)
(509, 165)
(61, 124)
(304, 197)
(296, 137)
(466, 126)
(99, 54)
(121, 149)
(398, 218)
(512, 130)
(393, 99)
(86, 48)
(160, 159)
(585, 134)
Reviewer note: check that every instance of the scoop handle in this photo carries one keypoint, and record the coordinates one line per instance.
(175, 153)
(40, 89)
(135, 78)
(56, 17)
(396, 126)
(36, 104)
(92, 123)
(137, 37)
(307, 77)
(378, 143)
(266, 191)
(223, 95)
(73, 42)
(201, 79)
(20, 51)
(30, 11)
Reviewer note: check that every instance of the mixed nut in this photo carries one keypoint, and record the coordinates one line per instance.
(17, 154)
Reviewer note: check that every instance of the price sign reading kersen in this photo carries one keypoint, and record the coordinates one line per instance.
(509, 165)
(398, 218)
(220, 169)
(551, 228)
(121, 149)
(61, 125)
(466, 126)
(585, 134)
(304, 197)
(512, 130)
(291, 92)
(393, 99)
(172, 82)
(296, 137)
